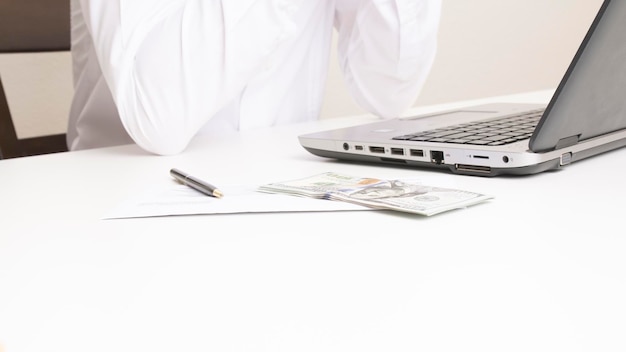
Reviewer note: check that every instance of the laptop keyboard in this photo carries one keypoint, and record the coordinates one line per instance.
(497, 131)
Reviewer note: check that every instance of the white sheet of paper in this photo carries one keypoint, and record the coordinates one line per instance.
(178, 199)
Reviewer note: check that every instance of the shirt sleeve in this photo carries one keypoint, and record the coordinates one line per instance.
(171, 64)
(386, 49)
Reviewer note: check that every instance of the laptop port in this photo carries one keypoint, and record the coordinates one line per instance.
(436, 157)
(473, 168)
(380, 150)
(358, 147)
(416, 152)
(397, 151)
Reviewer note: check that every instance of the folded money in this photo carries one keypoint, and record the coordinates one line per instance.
(400, 195)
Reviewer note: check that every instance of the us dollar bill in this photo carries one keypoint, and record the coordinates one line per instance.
(400, 195)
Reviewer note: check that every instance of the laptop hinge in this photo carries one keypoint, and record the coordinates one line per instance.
(567, 141)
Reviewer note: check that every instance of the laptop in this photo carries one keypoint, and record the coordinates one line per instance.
(585, 117)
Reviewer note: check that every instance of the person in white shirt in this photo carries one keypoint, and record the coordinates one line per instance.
(160, 72)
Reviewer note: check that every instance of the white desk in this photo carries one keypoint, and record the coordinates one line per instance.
(542, 267)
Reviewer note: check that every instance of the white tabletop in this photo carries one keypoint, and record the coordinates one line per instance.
(541, 267)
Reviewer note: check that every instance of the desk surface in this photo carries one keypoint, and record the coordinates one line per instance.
(539, 268)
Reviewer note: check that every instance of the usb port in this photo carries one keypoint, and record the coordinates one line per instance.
(397, 151)
(416, 152)
(380, 150)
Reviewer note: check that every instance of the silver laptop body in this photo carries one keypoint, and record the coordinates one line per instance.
(585, 117)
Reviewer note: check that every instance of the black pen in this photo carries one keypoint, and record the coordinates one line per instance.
(196, 184)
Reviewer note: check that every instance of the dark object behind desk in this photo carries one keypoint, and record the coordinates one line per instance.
(31, 26)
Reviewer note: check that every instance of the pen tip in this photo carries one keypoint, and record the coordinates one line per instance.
(217, 194)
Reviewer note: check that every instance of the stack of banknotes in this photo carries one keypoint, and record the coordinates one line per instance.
(401, 195)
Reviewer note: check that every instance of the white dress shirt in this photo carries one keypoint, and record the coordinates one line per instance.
(160, 72)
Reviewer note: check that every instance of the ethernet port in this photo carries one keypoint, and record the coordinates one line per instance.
(436, 157)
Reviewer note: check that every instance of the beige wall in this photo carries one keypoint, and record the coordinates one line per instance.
(486, 48)
(38, 88)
